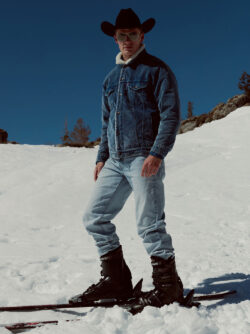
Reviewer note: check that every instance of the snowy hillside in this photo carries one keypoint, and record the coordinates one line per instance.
(46, 255)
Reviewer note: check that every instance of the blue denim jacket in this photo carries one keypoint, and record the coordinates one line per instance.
(140, 109)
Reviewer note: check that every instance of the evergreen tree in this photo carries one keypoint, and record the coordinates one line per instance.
(66, 137)
(80, 134)
(190, 109)
(244, 83)
(78, 137)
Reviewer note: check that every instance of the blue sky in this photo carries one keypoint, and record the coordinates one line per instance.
(54, 58)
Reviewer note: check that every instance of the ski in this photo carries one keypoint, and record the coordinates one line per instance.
(214, 296)
(192, 300)
(99, 303)
(25, 326)
(30, 308)
(111, 302)
(189, 300)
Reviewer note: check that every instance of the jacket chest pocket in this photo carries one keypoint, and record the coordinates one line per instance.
(137, 91)
(141, 94)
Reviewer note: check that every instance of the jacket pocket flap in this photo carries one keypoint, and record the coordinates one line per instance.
(138, 85)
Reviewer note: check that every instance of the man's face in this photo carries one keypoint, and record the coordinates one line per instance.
(132, 41)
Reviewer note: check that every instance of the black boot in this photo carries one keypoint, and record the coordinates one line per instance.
(116, 280)
(168, 285)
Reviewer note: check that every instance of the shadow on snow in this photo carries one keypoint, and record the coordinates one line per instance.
(234, 281)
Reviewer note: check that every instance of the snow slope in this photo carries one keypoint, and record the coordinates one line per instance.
(46, 255)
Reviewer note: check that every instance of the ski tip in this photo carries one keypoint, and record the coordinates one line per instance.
(137, 289)
(215, 296)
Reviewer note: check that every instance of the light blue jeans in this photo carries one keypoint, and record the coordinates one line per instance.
(116, 181)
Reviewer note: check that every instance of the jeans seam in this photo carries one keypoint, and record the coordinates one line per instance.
(155, 212)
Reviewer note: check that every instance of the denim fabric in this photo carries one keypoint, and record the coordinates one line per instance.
(140, 109)
(116, 181)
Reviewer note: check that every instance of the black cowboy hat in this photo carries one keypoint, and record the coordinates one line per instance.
(127, 19)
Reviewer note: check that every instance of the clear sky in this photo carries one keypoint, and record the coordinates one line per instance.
(54, 57)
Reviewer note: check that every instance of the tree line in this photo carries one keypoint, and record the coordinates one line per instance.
(79, 136)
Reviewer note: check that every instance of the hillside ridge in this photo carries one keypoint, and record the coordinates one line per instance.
(221, 110)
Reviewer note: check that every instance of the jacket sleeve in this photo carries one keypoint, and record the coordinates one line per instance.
(167, 98)
(103, 152)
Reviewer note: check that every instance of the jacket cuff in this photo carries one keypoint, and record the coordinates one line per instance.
(101, 158)
(156, 155)
(99, 161)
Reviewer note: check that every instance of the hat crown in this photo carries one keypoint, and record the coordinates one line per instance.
(127, 18)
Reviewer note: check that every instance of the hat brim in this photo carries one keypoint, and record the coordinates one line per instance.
(109, 29)
(148, 25)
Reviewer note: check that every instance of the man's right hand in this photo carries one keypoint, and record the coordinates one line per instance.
(97, 170)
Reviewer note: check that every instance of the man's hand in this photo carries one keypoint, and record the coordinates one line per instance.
(150, 166)
(97, 170)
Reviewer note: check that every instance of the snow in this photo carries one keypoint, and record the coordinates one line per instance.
(46, 255)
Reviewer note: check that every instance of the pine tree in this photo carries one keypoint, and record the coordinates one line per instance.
(66, 137)
(244, 83)
(79, 136)
(80, 133)
(190, 109)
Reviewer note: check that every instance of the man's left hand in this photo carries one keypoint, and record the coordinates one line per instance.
(150, 166)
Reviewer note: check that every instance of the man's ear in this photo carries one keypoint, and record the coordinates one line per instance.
(142, 37)
(115, 38)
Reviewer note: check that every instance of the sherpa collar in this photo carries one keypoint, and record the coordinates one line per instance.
(119, 59)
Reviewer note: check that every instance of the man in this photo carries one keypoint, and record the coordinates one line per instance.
(140, 119)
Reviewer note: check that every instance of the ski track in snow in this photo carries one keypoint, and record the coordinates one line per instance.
(46, 255)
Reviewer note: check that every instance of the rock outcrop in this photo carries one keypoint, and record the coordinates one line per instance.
(220, 111)
(3, 136)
